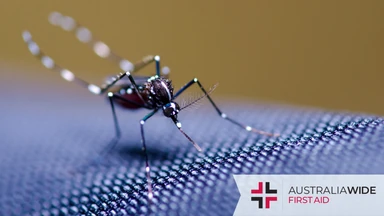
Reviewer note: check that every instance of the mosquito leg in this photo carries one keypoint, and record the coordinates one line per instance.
(146, 61)
(178, 125)
(114, 141)
(84, 35)
(112, 144)
(147, 167)
(149, 59)
(66, 74)
(130, 77)
(157, 60)
(100, 48)
(49, 63)
(223, 115)
(112, 97)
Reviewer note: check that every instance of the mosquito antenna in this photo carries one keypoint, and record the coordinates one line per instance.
(178, 125)
(201, 97)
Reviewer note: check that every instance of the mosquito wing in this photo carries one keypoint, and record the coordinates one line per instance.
(193, 99)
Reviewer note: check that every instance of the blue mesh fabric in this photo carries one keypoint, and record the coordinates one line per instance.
(49, 138)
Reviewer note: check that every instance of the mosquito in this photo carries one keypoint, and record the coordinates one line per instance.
(155, 93)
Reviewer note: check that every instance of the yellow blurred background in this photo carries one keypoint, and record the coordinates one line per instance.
(320, 53)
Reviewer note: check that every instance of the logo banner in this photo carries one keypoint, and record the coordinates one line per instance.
(307, 195)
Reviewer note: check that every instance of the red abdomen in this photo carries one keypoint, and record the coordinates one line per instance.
(131, 97)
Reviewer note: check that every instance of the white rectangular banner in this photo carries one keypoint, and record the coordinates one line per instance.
(307, 195)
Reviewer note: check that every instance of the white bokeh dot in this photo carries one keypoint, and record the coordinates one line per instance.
(126, 65)
(47, 62)
(101, 49)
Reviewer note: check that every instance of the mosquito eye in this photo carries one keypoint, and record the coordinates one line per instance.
(177, 107)
(169, 111)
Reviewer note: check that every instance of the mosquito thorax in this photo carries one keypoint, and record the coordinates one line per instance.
(160, 90)
(171, 109)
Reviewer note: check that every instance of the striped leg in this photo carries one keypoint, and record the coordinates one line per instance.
(101, 49)
(112, 143)
(50, 64)
(112, 97)
(223, 115)
(147, 167)
(66, 74)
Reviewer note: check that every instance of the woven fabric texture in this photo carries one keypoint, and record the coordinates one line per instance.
(49, 138)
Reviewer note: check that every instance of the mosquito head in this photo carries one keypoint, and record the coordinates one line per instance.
(171, 109)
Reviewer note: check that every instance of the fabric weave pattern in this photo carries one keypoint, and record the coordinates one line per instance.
(46, 149)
